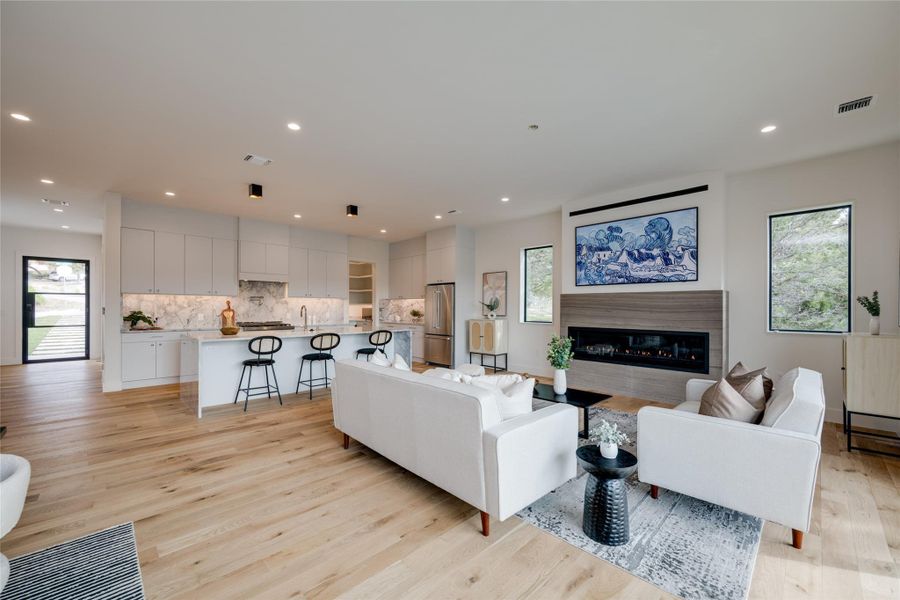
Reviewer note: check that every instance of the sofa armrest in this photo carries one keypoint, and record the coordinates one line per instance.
(695, 388)
(765, 472)
(529, 456)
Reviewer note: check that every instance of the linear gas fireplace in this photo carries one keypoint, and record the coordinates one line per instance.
(672, 350)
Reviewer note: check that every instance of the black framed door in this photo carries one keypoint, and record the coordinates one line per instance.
(55, 309)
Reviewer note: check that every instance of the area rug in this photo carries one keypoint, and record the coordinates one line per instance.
(687, 547)
(99, 566)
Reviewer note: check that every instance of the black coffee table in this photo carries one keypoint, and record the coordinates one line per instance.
(579, 398)
(605, 502)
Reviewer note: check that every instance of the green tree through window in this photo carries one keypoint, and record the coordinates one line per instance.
(809, 270)
(538, 285)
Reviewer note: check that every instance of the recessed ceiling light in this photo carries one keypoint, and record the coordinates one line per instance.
(298, 216)
(504, 199)
(768, 129)
(294, 126)
(384, 231)
(170, 193)
(48, 181)
(57, 210)
(438, 217)
(20, 117)
(64, 226)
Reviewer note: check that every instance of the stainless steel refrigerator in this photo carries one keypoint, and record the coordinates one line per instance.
(439, 334)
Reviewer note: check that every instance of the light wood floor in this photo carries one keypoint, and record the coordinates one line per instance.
(269, 505)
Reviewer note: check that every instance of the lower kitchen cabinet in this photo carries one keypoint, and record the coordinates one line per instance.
(150, 358)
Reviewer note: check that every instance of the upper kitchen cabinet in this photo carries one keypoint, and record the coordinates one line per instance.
(224, 267)
(137, 261)
(298, 274)
(440, 265)
(337, 275)
(316, 272)
(169, 262)
(448, 254)
(210, 266)
(317, 264)
(263, 250)
(407, 268)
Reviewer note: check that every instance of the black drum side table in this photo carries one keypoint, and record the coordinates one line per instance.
(605, 500)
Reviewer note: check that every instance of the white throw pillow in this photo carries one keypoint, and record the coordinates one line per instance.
(380, 359)
(470, 369)
(400, 363)
(516, 399)
(448, 374)
(502, 381)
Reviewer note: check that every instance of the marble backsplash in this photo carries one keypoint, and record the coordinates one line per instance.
(256, 301)
(394, 310)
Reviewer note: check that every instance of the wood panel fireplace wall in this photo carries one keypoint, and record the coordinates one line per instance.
(701, 312)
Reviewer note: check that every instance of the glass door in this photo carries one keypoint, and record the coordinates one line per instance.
(55, 317)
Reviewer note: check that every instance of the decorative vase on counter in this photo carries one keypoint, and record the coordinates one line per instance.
(609, 450)
(559, 382)
(874, 325)
(492, 315)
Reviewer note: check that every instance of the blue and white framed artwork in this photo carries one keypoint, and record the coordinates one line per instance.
(657, 248)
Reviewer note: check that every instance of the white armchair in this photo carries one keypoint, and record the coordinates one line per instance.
(15, 473)
(766, 470)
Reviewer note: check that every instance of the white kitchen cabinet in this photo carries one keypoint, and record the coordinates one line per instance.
(252, 257)
(440, 265)
(417, 276)
(298, 273)
(168, 358)
(316, 273)
(400, 277)
(337, 275)
(168, 258)
(139, 360)
(189, 359)
(418, 343)
(137, 261)
(224, 267)
(198, 265)
(276, 259)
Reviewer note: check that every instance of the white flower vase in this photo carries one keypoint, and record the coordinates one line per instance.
(492, 315)
(559, 382)
(609, 450)
(874, 326)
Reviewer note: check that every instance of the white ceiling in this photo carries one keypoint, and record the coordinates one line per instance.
(414, 109)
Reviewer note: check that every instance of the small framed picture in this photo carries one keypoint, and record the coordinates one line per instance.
(493, 291)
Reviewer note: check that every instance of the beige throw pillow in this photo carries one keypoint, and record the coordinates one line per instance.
(723, 401)
(751, 387)
(740, 370)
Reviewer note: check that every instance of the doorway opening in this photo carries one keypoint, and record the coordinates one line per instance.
(55, 309)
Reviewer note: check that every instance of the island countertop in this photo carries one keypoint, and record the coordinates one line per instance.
(204, 337)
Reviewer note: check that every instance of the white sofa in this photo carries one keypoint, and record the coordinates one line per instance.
(766, 470)
(15, 473)
(451, 434)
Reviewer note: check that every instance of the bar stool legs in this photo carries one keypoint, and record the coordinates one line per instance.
(312, 382)
(269, 388)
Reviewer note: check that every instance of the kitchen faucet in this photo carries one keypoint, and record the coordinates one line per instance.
(305, 316)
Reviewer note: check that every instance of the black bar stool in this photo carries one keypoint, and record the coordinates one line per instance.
(264, 347)
(324, 343)
(380, 339)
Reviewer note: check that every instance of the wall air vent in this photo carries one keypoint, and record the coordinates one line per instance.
(259, 161)
(859, 103)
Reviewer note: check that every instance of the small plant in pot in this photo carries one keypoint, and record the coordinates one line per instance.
(873, 307)
(137, 316)
(610, 438)
(492, 305)
(416, 314)
(560, 355)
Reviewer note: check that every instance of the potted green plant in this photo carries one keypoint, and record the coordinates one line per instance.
(137, 316)
(416, 314)
(873, 307)
(492, 305)
(609, 438)
(560, 355)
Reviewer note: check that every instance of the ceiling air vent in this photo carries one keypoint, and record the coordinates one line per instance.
(259, 161)
(859, 103)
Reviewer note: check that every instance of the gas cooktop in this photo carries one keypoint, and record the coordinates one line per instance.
(264, 325)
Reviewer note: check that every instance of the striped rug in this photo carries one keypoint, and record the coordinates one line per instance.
(99, 566)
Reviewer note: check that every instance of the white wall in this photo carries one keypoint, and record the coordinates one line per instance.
(112, 297)
(17, 242)
(870, 179)
(378, 252)
(710, 230)
(499, 248)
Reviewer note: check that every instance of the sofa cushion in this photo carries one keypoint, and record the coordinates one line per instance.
(501, 381)
(739, 370)
(470, 369)
(798, 403)
(380, 359)
(723, 401)
(689, 406)
(516, 399)
(447, 374)
(751, 387)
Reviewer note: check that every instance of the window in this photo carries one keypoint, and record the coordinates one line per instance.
(809, 270)
(537, 273)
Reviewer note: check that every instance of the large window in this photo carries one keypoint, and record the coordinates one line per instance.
(809, 270)
(537, 275)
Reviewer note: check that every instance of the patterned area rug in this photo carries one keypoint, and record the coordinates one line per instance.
(685, 546)
(99, 566)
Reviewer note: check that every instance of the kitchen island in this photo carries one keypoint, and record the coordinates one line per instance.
(216, 360)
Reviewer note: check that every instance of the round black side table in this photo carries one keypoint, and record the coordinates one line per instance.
(605, 500)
